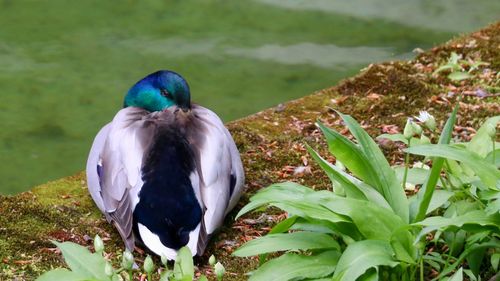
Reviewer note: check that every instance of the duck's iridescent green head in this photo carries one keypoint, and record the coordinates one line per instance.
(159, 91)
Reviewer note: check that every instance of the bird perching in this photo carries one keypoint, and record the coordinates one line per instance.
(165, 172)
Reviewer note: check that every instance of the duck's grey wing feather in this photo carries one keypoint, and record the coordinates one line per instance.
(218, 162)
(94, 166)
(120, 174)
(237, 173)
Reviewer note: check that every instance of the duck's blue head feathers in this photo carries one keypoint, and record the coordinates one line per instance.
(158, 91)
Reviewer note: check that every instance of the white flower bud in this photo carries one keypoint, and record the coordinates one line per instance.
(219, 270)
(98, 244)
(108, 269)
(149, 266)
(416, 128)
(408, 131)
(491, 130)
(127, 260)
(212, 260)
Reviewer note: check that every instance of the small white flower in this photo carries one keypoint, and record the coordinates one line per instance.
(409, 186)
(428, 120)
(423, 116)
(421, 165)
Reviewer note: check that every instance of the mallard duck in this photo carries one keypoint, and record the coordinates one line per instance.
(165, 172)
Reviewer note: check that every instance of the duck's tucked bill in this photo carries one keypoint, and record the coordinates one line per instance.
(164, 172)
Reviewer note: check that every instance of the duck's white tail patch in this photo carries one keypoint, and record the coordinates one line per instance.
(153, 242)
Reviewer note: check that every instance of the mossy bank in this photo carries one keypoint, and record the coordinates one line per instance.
(271, 143)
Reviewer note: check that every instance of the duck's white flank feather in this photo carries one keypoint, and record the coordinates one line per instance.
(219, 159)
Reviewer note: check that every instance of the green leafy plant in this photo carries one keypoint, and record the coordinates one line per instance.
(458, 68)
(85, 265)
(368, 228)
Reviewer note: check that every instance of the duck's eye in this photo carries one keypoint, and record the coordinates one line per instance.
(166, 94)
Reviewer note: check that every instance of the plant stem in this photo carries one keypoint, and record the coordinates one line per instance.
(407, 161)
(130, 277)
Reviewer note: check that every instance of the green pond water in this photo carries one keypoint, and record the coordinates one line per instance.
(66, 65)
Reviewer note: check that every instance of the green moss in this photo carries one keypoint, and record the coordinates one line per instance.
(271, 143)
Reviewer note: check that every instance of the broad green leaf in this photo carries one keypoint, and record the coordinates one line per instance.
(402, 245)
(424, 195)
(493, 198)
(476, 217)
(284, 225)
(461, 207)
(319, 226)
(475, 259)
(459, 75)
(481, 142)
(183, 266)
(477, 237)
(360, 256)
(281, 227)
(495, 259)
(473, 217)
(82, 262)
(465, 253)
(453, 167)
(311, 210)
(338, 179)
(494, 155)
(353, 187)
(439, 198)
(61, 274)
(275, 193)
(370, 275)
(373, 222)
(455, 241)
(307, 209)
(486, 171)
(297, 267)
(294, 241)
(458, 276)
(493, 207)
(415, 175)
(350, 155)
(385, 178)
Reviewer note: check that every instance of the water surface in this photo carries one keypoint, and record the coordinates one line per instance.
(65, 65)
